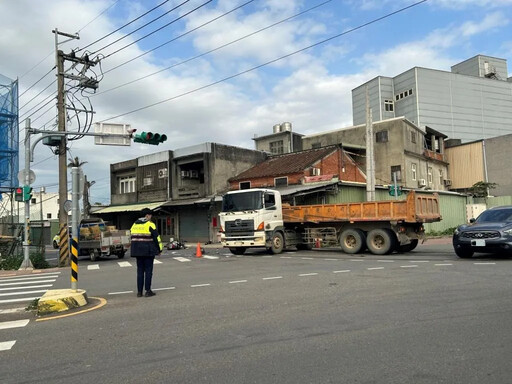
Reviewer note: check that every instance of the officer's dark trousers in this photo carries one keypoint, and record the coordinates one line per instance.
(144, 272)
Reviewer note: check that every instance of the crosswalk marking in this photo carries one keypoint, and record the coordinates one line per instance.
(35, 278)
(6, 345)
(19, 300)
(23, 292)
(27, 287)
(14, 324)
(155, 261)
(182, 259)
(93, 266)
(124, 264)
(27, 282)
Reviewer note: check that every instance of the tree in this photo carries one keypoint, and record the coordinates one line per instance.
(481, 189)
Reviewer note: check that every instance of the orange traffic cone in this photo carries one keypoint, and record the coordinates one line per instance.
(199, 252)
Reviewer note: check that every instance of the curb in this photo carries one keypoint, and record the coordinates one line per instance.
(59, 300)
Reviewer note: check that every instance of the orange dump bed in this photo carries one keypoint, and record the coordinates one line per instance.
(417, 208)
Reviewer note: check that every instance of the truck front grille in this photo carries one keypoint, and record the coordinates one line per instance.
(239, 228)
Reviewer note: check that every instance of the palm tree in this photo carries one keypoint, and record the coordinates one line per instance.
(76, 162)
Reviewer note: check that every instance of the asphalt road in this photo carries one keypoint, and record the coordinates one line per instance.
(300, 317)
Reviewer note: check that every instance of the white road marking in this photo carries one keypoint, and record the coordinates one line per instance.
(307, 258)
(23, 292)
(182, 259)
(440, 265)
(267, 256)
(356, 260)
(342, 271)
(12, 310)
(285, 257)
(26, 282)
(119, 293)
(331, 259)
(6, 345)
(419, 261)
(308, 274)
(28, 287)
(13, 324)
(53, 258)
(484, 263)
(93, 266)
(124, 264)
(374, 268)
(25, 278)
(34, 275)
(199, 285)
(155, 261)
(386, 261)
(408, 266)
(163, 289)
(227, 254)
(273, 278)
(210, 257)
(238, 281)
(19, 300)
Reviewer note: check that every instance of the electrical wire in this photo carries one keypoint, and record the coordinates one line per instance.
(41, 78)
(101, 13)
(182, 35)
(121, 27)
(214, 49)
(51, 96)
(266, 63)
(28, 102)
(159, 29)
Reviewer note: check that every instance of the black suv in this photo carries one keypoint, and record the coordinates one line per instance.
(491, 232)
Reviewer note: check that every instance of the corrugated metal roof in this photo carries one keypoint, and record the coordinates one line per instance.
(285, 164)
(294, 189)
(130, 207)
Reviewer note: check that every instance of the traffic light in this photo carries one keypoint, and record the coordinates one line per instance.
(27, 192)
(150, 138)
(18, 194)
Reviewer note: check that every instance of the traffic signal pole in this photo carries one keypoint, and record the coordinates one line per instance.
(27, 264)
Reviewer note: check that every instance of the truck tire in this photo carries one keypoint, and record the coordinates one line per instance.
(120, 254)
(352, 241)
(237, 250)
(94, 255)
(381, 241)
(408, 247)
(464, 252)
(277, 243)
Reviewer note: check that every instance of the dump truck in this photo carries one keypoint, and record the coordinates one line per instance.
(253, 218)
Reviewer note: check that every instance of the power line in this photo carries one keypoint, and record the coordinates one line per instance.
(29, 88)
(180, 36)
(212, 50)
(125, 25)
(159, 29)
(101, 13)
(28, 102)
(266, 63)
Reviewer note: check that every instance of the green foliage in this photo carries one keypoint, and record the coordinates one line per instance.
(446, 232)
(14, 262)
(481, 188)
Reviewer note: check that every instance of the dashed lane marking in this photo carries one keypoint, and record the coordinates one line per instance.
(267, 256)
(238, 281)
(441, 265)
(308, 274)
(182, 259)
(419, 261)
(163, 289)
(356, 260)
(210, 257)
(342, 271)
(27, 287)
(199, 285)
(386, 261)
(6, 345)
(27, 282)
(124, 264)
(285, 257)
(408, 266)
(375, 268)
(331, 259)
(14, 324)
(484, 263)
(272, 278)
(307, 258)
(120, 293)
(93, 266)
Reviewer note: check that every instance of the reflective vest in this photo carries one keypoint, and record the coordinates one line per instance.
(145, 240)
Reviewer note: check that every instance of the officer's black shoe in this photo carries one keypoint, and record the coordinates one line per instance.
(150, 293)
(139, 294)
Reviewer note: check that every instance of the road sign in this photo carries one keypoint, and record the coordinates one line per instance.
(68, 205)
(31, 177)
(116, 129)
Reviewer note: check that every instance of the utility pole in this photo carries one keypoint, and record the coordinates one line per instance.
(87, 204)
(370, 159)
(26, 264)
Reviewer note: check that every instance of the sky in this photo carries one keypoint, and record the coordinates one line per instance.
(228, 70)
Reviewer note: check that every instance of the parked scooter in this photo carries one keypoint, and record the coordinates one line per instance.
(175, 244)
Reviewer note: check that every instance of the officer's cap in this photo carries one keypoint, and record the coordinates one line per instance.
(147, 211)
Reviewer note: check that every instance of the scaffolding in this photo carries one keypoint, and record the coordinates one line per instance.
(9, 134)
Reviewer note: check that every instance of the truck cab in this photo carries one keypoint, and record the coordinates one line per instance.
(252, 218)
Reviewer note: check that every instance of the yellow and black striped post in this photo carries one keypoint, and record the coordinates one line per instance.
(63, 246)
(74, 263)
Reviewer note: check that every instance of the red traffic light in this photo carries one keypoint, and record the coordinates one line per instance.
(19, 190)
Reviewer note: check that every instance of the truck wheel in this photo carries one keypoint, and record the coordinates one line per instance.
(120, 254)
(408, 247)
(94, 255)
(238, 250)
(381, 241)
(277, 244)
(463, 252)
(352, 241)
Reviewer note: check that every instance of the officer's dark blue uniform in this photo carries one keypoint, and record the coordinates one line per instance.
(145, 245)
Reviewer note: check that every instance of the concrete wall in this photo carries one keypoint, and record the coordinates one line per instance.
(466, 165)
(263, 143)
(152, 182)
(499, 171)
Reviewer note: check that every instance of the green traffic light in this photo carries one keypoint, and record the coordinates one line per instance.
(150, 138)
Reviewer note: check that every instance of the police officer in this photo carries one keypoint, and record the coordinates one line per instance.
(145, 245)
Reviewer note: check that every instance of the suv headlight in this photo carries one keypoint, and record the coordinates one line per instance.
(508, 231)
(456, 231)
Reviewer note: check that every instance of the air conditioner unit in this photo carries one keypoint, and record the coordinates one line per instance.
(162, 173)
(194, 174)
(185, 174)
(447, 182)
(422, 183)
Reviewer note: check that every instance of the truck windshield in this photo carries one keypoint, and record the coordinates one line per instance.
(246, 201)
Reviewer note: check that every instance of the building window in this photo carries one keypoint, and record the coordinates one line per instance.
(396, 170)
(244, 185)
(381, 137)
(148, 181)
(401, 95)
(413, 171)
(276, 147)
(281, 181)
(413, 137)
(33, 201)
(388, 105)
(48, 215)
(441, 177)
(126, 184)
(429, 174)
